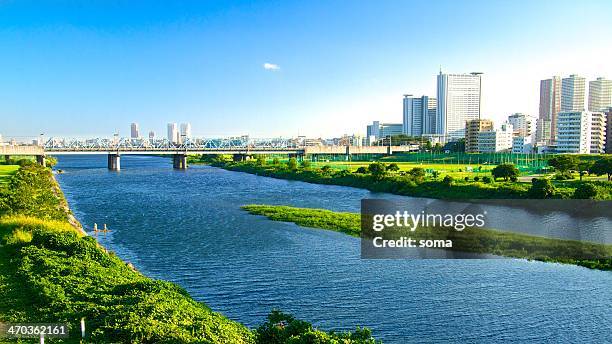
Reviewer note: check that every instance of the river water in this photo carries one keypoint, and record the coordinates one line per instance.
(187, 227)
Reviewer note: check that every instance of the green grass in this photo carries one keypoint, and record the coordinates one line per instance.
(6, 171)
(473, 240)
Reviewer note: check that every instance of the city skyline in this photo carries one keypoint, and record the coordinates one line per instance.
(260, 69)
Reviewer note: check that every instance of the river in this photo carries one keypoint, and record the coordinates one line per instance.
(187, 227)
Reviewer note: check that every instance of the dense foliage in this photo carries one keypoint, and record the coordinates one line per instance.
(475, 240)
(416, 182)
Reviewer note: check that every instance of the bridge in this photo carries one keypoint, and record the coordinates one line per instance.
(240, 148)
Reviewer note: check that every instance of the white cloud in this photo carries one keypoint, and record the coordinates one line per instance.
(271, 66)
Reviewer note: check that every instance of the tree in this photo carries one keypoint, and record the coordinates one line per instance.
(377, 170)
(275, 162)
(392, 167)
(585, 191)
(505, 171)
(305, 164)
(487, 179)
(583, 167)
(541, 188)
(326, 169)
(602, 166)
(563, 163)
(292, 164)
(435, 174)
(361, 170)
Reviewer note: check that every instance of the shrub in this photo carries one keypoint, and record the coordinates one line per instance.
(513, 179)
(585, 191)
(292, 164)
(361, 170)
(378, 170)
(448, 180)
(477, 178)
(487, 179)
(275, 162)
(392, 167)
(305, 164)
(435, 174)
(467, 179)
(541, 188)
(417, 173)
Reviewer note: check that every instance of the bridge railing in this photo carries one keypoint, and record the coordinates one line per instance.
(99, 144)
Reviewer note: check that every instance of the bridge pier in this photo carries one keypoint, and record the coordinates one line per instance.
(179, 161)
(40, 159)
(114, 162)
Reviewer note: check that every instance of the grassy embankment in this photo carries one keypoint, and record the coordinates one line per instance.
(474, 240)
(426, 185)
(51, 272)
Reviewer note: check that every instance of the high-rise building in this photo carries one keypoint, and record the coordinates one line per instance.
(135, 132)
(600, 95)
(151, 135)
(521, 123)
(419, 115)
(373, 130)
(581, 132)
(459, 100)
(185, 131)
(550, 105)
(473, 128)
(173, 133)
(572, 93)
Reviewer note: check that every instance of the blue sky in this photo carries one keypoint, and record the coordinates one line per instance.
(93, 67)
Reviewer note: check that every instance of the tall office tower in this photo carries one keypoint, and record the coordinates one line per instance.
(185, 130)
(135, 133)
(550, 105)
(151, 135)
(600, 95)
(572, 93)
(373, 130)
(419, 115)
(522, 124)
(473, 129)
(173, 133)
(459, 99)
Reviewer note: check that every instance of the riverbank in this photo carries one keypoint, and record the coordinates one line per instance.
(474, 240)
(416, 183)
(50, 271)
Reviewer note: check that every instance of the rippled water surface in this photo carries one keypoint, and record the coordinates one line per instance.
(187, 227)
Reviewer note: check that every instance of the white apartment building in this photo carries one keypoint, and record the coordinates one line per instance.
(522, 144)
(598, 132)
(498, 140)
(419, 115)
(572, 93)
(459, 100)
(522, 124)
(600, 95)
(173, 133)
(581, 132)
